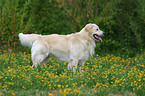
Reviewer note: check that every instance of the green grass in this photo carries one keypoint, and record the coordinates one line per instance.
(102, 75)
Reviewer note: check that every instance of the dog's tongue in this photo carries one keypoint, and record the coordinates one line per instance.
(98, 38)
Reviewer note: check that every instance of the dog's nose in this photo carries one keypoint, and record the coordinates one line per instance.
(103, 33)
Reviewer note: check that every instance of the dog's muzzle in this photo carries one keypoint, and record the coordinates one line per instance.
(97, 38)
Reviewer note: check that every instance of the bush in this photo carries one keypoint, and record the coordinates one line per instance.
(39, 16)
(123, 24)
(123, 21)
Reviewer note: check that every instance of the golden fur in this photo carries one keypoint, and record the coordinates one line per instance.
(73, 48)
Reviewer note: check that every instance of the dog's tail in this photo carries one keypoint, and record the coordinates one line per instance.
(28, 39)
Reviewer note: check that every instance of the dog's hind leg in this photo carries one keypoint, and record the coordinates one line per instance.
(73, 65)
(39, 53)
(46, 60)
(37, 59)
(81, 65)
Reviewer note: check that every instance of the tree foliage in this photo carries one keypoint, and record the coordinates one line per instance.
(122, 20)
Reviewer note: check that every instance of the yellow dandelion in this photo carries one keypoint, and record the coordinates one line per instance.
(61, 91)
(13, 94)
(66, 86)
(23, 87)
(59, 86)
(50, 94)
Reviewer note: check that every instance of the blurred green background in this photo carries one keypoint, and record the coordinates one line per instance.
(123, 21)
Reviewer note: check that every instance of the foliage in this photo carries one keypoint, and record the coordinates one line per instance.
(122, 21)
(39, 16)
(49, 18)
(13, 20)
(101, 76)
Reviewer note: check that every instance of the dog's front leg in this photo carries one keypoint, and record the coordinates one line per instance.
(81, 64)
(73, 65)
(69, 66)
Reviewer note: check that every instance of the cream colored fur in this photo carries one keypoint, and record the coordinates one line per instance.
(74, 48)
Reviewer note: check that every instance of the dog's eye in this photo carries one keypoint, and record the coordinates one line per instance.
(97, 29)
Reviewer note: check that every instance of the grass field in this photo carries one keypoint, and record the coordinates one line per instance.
(108, 75)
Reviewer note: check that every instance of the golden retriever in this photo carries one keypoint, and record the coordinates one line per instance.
(73, 48)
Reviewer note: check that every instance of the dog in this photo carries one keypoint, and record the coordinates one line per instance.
(73, 48)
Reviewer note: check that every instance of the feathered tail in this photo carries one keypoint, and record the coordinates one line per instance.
(28, 39)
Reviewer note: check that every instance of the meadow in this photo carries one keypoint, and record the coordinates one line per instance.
(102, 76)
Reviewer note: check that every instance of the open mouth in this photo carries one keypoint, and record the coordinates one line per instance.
(97, 38)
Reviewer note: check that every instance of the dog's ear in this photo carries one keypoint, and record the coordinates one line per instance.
(89, 27)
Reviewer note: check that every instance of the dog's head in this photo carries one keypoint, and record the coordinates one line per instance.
(94, 31)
